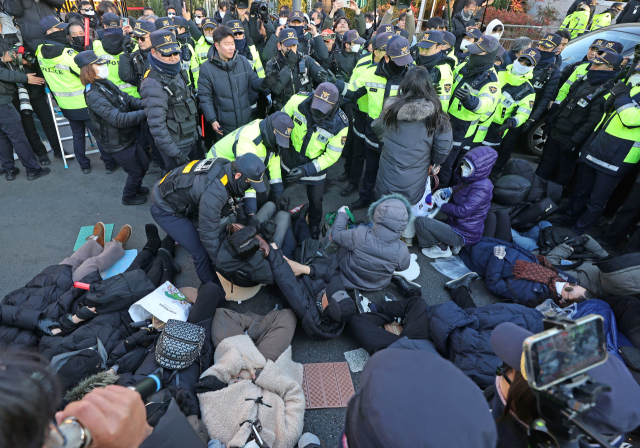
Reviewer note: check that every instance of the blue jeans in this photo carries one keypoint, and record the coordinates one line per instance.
(529, 240)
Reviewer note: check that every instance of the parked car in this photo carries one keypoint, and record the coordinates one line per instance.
(628, 34)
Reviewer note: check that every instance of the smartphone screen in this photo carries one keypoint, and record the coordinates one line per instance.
(125, 22)
(555, 355)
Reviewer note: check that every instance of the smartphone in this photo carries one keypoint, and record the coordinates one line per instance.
(340, 3)
(125, 21)
(558, 354)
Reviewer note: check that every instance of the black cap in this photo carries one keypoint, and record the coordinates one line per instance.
(283, 125)
(599, 43)
(340, 307)
(296, 16)
(46, 23)
(487, 44)
(111, 20)
(402, 33)
(352, 37)
(236, 26)
(325, 97)
(550, 41)
(431, 38)
(88, 57)
(608, 57)
(180, 21)
(242, 4)
(251, 167)
(474, 33)
(381, 40)
(449, 38)
(287, 37)
(532, 54)
(165, 42)
(398, 51)
(613, 46)
(144, 27)
(208, 22)
(388, 28)
(165, 23)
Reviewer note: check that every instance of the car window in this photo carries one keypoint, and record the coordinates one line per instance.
(576, 50)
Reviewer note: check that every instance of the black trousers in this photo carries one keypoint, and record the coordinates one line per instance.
(357, 160)
(135, 163)
(593, 190)
(79, 144)
(315, 194)
(372, 157)
(556, 156)
(365, 328)
(498, 225)
(148, 144)
(505, 149)
(210, 298)
(43, 112)
(462, 297)
(627, 217)
(347, 152)
(12, 137)
(449, 165)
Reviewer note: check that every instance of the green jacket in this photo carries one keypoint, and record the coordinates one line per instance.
(63, 77)
(576, 23)
(580, 72)
(114, 63)
(601, 20)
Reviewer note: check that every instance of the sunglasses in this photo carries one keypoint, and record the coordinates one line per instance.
(238, 34)
(140, 38)
(87, 10)
(569, 288)
(525, 61)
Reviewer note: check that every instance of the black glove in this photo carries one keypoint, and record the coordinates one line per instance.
(252, 221)
(620, 89)
(463, 94)
(292, 59)
(254, 8)
(209, 384)
(128, 44)
(295, 175)
(609, 103)
(282, 203)
(182, 159)
(526, 126)
(508, 124)
(140, 337)
(438, 89)
(44, 327)
(67, 325)
(268, 230)
(327, 76)
(270, 80)
(577, 241)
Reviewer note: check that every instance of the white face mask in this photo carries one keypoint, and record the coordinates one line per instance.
(368, 25)
(464, 44)
(518, 69)
(466, 170)
(198, 20)
(496, 35)
(88, 13)
(282, 21)
(103, 71)
(355, 48)
(634, 80)
(209, 39)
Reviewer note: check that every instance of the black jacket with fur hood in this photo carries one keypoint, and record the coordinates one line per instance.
(408, 151)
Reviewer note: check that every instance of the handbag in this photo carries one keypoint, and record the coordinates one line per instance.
(179, 345)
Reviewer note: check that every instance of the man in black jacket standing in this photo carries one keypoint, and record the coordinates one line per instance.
(169, 101)
(630, 13)
(28, 14)
(463, 22)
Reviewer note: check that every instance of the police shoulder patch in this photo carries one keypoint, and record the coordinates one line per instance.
(71, 52)
(343, 140)
(531, 104)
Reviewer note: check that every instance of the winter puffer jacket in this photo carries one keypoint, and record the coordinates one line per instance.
(408, 151)
(223, 90)
(28, 14)
(301, 293)
(499, 273)
(278, 386)
(48, 295)
(471, 199)
(369, 256)
(463, 336)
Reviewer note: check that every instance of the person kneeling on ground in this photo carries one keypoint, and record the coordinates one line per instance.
(369, 256)
(469, 203)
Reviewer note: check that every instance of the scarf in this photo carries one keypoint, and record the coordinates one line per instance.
(58, 37)
(299, 29)
(241, 45)
(596, 77)
(164, 67)
(479, 63)
(547, 57)
(543, 273)
(109, 31)
(183, 37)
(429, 62)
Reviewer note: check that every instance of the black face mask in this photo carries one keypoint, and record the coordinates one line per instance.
(479, 63)
(429, 61)
(237, 187)
(394, 68)
(600, 76)
(59, 37)
(78, 43)
(318, 116)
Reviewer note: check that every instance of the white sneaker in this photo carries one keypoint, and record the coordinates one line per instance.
(436, 252)
(455, 250)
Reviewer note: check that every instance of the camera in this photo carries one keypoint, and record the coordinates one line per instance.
(25, 102)
(263, 9)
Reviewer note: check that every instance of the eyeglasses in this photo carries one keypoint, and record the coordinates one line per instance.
(570, 287)
(525, 61)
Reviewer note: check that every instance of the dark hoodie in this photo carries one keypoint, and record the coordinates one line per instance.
(112, 43)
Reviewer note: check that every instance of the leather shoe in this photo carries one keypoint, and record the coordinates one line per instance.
(344, 177)
(351, 188)
(465, 281)
(57, 155)
(123, 235)
(360, 203)
(112, 169)
(11, 174)
(315, 232)
(86, 170)
(37, 174)
(143, 190)
(405, 285)
(44, 160)
(98, 232)
(136, 200)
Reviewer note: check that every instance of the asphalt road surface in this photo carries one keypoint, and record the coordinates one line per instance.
(40, 220)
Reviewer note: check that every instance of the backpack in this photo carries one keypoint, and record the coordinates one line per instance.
(553, 236)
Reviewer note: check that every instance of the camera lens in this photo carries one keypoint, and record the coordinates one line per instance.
(23, 98)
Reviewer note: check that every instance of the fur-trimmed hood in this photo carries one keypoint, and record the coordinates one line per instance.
(413, 110)
(99, 380)
(392, 211)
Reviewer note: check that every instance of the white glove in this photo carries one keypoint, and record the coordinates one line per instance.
(500, 251)
(343, 209)
(437, 199)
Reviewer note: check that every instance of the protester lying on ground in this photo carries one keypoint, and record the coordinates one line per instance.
(469, 203)
(514, 404)
(369, 256)
(253, 376)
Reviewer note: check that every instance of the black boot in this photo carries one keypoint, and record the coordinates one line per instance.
(408, 288)
(351, 188)
(153, 239)
(360, 203)
(33, 175)
(169, 245)
(169, 265)
(344, 177)
(465, 281)
(136, 200)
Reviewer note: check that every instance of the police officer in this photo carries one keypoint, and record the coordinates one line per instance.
(571, 123)
(318, 137)
(291, 72)
(577, 21)
(515, 104)
(63, 77)
(448, 46)
(343, 61)
(310, 42)
(476, 90)
(605, 18)
(202, 47)
(267, 139)
(608, 156)
(205, 192)
(169, 102)
(115, 116)
(440, 66)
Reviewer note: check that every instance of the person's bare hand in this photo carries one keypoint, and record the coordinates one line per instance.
(216, 127)
(274, 245)
(280, 28)
(115, 416)
(7, 56)
(186, 14)
(297, 268)
(263, 31)
(313, 29)
(35, 80)
(251, 367)
(353, 5)
(126, 29)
